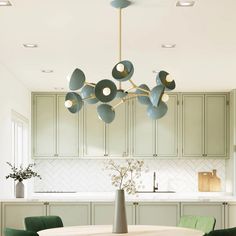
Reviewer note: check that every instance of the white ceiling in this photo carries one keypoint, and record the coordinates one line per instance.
(83, 34)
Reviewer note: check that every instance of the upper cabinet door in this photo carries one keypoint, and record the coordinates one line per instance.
(215, 125)
(117, 132)
(193, 125)
(167, 130)
(44, 125)
(67, 130)
(143, 132)
(93, 133)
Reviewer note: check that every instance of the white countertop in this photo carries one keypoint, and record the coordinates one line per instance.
(140, 197)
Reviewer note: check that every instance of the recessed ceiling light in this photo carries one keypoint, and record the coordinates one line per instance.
(185, 3)
(30, 45)
(47, 71)
(4, 3)
(168, 45)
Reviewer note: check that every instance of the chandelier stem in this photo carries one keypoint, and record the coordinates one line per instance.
(118, 104)
(89, 97)
(135, 86)
(120, 39)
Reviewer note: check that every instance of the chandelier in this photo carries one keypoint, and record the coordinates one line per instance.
(106, 90)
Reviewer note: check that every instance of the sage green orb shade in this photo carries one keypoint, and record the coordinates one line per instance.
(77, 79)
(106, 113)
(162, 79)
(143, 99)
(120, 3)
(88, 91)
(105, 90)
(156, 94)
(75, 102)
(120, 93)
(123, 71)
(157, 112)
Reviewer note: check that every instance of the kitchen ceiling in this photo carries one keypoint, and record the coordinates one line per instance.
(84, 34)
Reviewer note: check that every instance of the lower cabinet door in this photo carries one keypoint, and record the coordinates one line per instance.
(13, 214)
(231, 215)
(72, 213)
(103, 213)
(215, 209)
(1, 219)
(152, 213)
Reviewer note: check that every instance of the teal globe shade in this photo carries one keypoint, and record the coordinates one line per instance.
(106, 113)
(77, 102)
(121, 93)
(157, 112)
(161, 80)
(145, 100)
(77, 79)
(88, 91)
(156, 94)
(125, 74)
(105, 90)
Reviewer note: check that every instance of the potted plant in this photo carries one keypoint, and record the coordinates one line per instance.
(20, 174)
(126, 178)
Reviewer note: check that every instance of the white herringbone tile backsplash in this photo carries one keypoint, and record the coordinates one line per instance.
(89, 176)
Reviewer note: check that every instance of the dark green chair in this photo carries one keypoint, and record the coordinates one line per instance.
(18, 232)
(188, 222)
(223, 232)
(205, 223)
(37, 223)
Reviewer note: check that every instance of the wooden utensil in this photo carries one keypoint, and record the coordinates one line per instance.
(204, 181)
(215, 182)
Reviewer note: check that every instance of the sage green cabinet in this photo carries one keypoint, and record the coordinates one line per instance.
(102, 139)
(204, 125)
(153, 213)
(55, 129)
(44, 125)
(13, 214)
(230, 215)
(1, 219)
(215, 209)
(71, 213)
(103, 213)
(155, 138)
(67, 130)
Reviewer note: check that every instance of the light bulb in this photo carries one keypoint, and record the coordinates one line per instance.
(165, 97)
(120, 67)
(169, 78)
(68, 103)
(106, 91)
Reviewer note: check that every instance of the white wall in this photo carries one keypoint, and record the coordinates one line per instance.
(13, 96)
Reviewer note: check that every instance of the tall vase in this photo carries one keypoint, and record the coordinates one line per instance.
(120, 222)
(20, 189)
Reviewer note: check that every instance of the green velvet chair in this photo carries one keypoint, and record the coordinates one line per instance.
(18, 232)
(37, 223)
(202, 223)
(188, 221)
(223, 232)
(205, 223)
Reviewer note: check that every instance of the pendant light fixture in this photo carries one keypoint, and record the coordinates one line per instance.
(106, 90)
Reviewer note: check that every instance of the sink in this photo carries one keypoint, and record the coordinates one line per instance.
(156, 191)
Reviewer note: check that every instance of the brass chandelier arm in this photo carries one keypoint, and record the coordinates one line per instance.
(89, 97)
(92, 85)
(135, 86)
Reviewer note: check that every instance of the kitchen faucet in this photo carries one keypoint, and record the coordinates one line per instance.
(155, 185)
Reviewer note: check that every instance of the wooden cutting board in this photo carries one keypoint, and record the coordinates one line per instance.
(204, 181)
(215, 182)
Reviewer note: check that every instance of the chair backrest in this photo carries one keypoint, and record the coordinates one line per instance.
(223, 232)
(18, 232)
(188, 221)
(37, 223)
(205, 223)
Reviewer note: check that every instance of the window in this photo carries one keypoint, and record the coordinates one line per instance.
(20, 141)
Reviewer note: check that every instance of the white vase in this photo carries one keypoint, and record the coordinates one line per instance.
(120, 222)
(20, 190)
